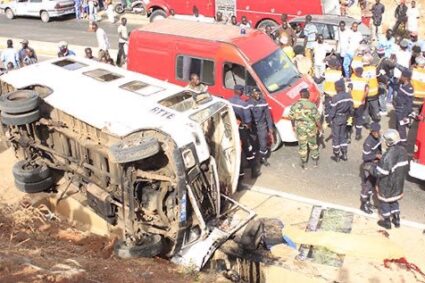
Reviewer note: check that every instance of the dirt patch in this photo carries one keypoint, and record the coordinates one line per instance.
(37, 246)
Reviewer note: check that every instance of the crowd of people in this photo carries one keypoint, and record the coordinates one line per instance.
(361, 79)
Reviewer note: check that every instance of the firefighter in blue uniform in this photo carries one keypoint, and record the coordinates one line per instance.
(341, 110)
(243, 114)
(262, 120)
(403, 103)
(372, 153)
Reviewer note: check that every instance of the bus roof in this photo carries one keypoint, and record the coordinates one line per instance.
(117, 101)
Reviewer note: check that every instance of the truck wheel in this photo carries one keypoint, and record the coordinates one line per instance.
(45, 18)
(19, 101)
(9, 14)
(124, 153)
(262, 25)
(277, 140)
(35, 187)
(20, 119)
(151, 246)
(157, 15)
(119, 9)
(30, 172)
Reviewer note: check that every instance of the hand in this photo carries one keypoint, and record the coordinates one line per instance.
(378, 156)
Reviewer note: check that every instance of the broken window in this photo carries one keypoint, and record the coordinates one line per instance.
(102, 75)
(187, 65)
(69, 64)
(141, 88)
(180, 102)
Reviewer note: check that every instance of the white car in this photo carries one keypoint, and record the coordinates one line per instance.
(45, 9)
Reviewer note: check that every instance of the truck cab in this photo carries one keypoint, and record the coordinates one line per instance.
(417, 164)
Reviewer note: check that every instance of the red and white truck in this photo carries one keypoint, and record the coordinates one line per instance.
(259, 12)
(417, 164)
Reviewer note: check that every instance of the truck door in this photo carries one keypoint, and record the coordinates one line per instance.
(235, 74)
(21, 7)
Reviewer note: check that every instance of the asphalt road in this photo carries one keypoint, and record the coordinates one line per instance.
(332, 182)
(66, 28)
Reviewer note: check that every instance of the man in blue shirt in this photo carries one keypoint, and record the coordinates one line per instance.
(386, 44)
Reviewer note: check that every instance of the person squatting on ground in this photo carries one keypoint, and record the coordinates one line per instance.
(305, 119)
(359, 87)
(372, 153)
(243, 115)
(403, 103)
(262, 119)
(391, 172)
(341, 110)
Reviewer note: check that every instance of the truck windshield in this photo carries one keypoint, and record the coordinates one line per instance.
(276, 71)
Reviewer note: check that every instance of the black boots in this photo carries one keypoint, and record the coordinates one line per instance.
(344, 156)
(336, 157)
(385, 223)
(303, 164)
(358, 137)
(396, 220)
(315, 162)
(264, 161)
(365, 207)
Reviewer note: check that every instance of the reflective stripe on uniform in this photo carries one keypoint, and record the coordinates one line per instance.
(357, 93)
(331, 76)
(382, 171)
(341, 101)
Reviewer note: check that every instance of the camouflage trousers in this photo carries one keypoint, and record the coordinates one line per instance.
(307, 140)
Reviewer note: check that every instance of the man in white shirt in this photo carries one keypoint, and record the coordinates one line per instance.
(354, 42)
(320, 50)
(102, 38)
(412, 17)
(122, 41)
(342, 41)
(403, 57)
(10, 55)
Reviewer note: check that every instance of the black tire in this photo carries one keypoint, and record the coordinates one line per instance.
(20, 119)
(262, 25)
(30, 173)
(9, 14)
(36, 187)
(123, 153)
(119, 9)
(19, 101)
(157, 14)
(153, 246)
(277, 140)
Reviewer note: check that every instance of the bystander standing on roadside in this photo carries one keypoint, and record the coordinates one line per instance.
(356, 38)
(23, 50)
(122, 41)
(386, 44)
(366, 11)
(233, 20)
(378, 10)
(342, 41)
(245, 24)
(77, 8)
(285, 29)
(219, 19)
(9, 55)
(400, 15)
(310, 34)
(412, 18)
(320, 50)
(102, 38)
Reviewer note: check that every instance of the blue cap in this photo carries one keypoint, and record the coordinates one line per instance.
(238, 87)
(375, 127)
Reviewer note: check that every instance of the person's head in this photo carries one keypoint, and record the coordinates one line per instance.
(285, 24)
(402, 2)
(304, 93)
(355, 26)
(9, 43)
(342, 25)
(299, 50)
(375, 129)
(404, 44)
(172, 12)
(320, 38)
(333, 62)
(358, 71)
(238, 90)
(10, 66)
(367, 59)
(268, 29)
(194, 80)
(244, 20)
(406, 75)
(256, 94)
(389, 34)
(377, 1)
(414, 36)
(416, 51)
(63, 46)
(413, 4)
(94, 26)
(284, 18)
(24, 43)
(195, 11)
(124, 21)
(219, 16)
(391, 137)
(340, 86)
(308, 19)
(88, 52)
(398, 39)
(110, 61)
(103, 59)
(29, 52)
(420, 61)
(233, 20)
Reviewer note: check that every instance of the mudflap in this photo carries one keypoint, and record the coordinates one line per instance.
(195, 255)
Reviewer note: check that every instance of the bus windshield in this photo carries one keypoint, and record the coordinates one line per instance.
(276, 71)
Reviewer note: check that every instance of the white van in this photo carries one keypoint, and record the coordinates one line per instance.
(150, 157)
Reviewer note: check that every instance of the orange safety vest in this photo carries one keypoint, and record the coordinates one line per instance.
(418, 82)
(357, 62)
(357, 93)
(369, 72)
(331, 76)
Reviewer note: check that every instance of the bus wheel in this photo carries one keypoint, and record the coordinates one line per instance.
(262, 25)
(277, 140)
(157, 15)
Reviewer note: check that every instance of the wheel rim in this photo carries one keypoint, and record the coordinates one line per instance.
(159, 18)
(44, 17)
(9, 14)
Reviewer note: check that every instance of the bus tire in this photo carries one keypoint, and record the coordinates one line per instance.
(20, 119)
(26, 172)
(277, 140)
(36, 187)
(123, 153)
(151, 246)
(19, 101)
(159, 14)
(262, 25)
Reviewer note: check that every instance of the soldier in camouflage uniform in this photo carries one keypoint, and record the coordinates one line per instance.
(306, 120)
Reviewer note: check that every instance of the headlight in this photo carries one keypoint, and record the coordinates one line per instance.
(188, 158)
